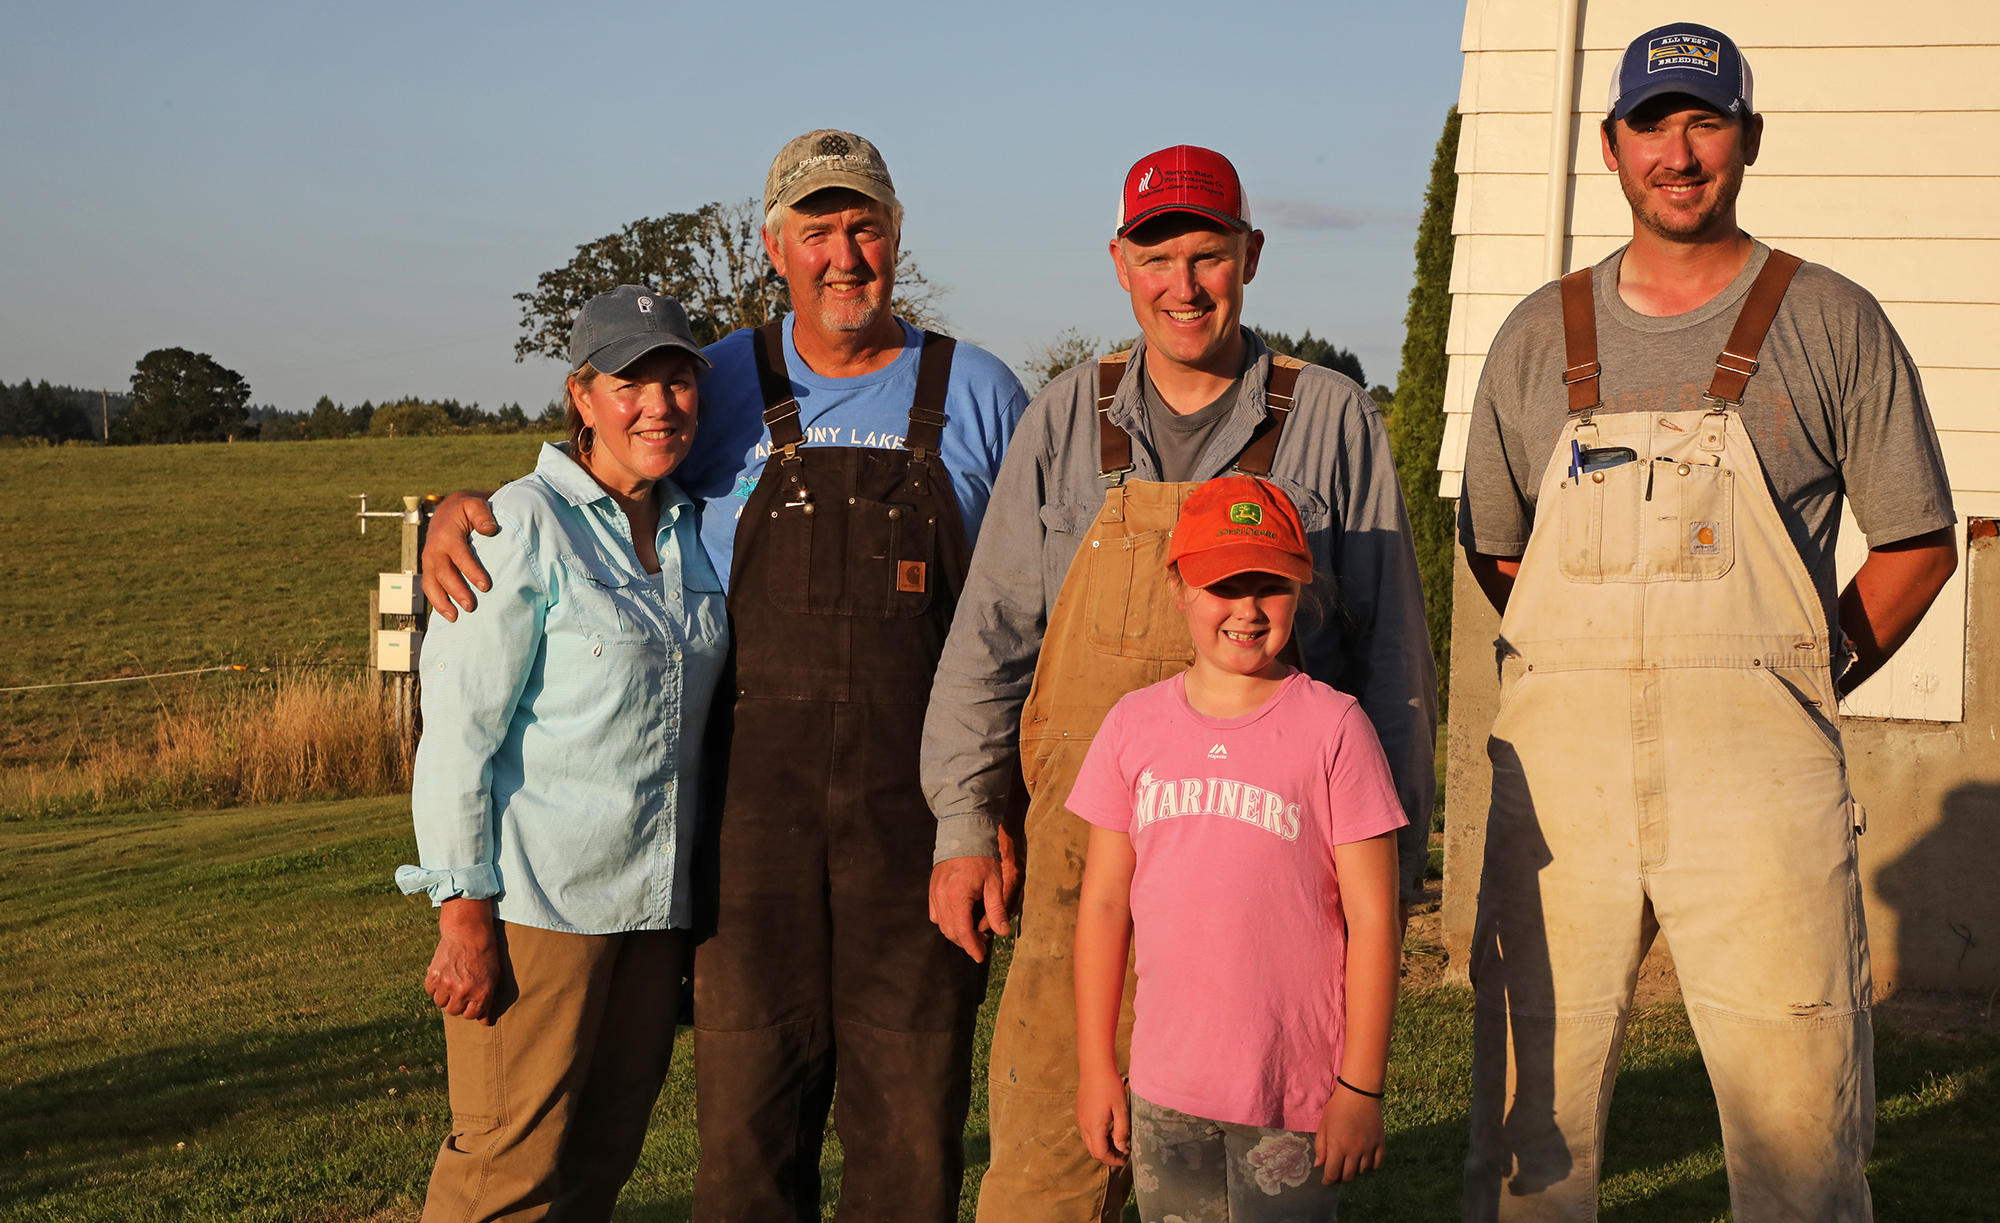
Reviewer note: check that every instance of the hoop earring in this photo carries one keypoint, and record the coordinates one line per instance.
(586, 439)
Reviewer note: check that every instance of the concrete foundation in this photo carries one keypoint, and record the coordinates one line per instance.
(1930, 859)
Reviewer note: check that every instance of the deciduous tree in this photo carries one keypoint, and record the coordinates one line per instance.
(182, 396)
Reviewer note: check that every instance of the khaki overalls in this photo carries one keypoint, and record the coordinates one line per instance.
(1665, 760)
(848, 566)
(1114, 629)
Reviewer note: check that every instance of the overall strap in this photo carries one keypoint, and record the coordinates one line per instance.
(1114, 445)
(927, 409)
(1580, 342)
(1278, 392)
(781, 409)
(1738, 361)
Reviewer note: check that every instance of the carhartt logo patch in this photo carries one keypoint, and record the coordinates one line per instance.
(1249, 513)
(1704, 538)
(1684, 51)
(910, 577)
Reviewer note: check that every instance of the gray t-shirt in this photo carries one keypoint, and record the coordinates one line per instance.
(1835, 407)
(1178, 441)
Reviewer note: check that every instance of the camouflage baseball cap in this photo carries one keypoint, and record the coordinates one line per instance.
(827, 158)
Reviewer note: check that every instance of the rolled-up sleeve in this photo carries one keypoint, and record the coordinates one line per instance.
(971, 742)
(474, 672)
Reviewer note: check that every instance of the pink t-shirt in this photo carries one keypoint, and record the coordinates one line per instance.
(1241, 944)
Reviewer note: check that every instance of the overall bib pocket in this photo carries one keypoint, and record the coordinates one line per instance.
(880, 566)
(1658, 521)
(1129, 607)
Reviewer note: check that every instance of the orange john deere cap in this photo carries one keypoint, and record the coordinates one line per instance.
(1239, 524)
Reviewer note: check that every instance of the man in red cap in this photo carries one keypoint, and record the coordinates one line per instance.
(1066, 609)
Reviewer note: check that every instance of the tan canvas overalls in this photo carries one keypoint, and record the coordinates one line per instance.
(1114, 629)
(849, 562)
(1665, 760)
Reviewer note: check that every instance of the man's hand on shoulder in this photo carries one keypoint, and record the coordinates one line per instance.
(448, 563)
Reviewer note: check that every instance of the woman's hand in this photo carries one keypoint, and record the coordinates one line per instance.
(464, 978)
(1104, 1114)
(1350, 1139)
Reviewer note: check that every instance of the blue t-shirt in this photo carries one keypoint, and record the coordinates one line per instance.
(982, 404)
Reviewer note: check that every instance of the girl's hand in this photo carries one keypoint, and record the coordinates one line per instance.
(1350, 1139)
(1104, 1114)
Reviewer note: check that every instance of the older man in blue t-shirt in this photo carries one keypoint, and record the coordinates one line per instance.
(844, 460)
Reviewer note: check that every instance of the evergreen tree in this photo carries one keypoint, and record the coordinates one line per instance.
(182, 396)
(1315, 351)
(1416, 427)
(40, 410)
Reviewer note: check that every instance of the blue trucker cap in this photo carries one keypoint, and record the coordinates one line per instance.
(1682, 58)
(617, 328)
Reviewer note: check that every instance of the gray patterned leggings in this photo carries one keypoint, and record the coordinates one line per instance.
(1193, 1170)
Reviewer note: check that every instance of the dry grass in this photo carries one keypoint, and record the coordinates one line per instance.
(303, 735)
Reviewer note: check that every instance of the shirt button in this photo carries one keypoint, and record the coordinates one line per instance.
(673, 721)
(674, 595)
(677, 658)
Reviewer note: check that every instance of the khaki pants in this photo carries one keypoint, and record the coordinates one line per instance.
(549, 1104)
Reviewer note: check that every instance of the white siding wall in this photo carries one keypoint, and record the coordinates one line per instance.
(1881, 160)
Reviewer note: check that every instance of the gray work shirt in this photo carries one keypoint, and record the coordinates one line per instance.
(1335, 463)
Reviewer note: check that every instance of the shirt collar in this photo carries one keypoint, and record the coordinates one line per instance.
(567, 477)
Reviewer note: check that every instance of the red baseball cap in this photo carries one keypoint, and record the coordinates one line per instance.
(1185, 178)
(1239, 524)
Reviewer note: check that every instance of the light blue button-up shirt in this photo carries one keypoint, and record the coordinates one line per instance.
(559, 770)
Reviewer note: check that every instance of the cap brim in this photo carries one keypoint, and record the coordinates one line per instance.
(874, 188)
(1212, 565)
(1627, 103)
(618, 356)
(1238, 224)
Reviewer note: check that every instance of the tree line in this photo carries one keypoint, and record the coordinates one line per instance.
(180, 396)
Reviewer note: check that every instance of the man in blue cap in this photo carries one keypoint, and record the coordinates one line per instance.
(1653, 480)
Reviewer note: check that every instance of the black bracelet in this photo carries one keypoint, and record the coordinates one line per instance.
(1373, 1095)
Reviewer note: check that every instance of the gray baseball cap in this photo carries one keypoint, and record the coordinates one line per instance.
(827, 158)
(617, 328)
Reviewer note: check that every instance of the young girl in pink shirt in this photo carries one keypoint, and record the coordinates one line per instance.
(1243, 827)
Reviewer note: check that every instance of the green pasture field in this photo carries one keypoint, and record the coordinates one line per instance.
(130, 560)
(216, 1015)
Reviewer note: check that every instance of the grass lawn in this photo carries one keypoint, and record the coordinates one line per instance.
(138, 559)
(216, 1016)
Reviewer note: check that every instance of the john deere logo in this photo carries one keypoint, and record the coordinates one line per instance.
(1248, 513)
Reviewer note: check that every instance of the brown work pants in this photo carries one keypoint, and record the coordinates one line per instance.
(1114, 629)
(549, 1103)
(824, 952)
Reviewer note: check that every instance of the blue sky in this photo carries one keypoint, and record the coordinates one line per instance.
(342, 199)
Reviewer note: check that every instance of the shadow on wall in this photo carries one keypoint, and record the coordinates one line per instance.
(1940, 886)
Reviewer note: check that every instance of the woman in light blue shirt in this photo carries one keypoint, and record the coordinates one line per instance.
(558, 782)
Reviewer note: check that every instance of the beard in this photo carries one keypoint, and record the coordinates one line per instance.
(858, 314)
(1681, 225)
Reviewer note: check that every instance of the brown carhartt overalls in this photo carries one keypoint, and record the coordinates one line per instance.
(848, 565)
(1665, 760)
(1114, 629)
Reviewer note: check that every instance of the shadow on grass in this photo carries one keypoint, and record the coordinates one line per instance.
(222, 1099)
